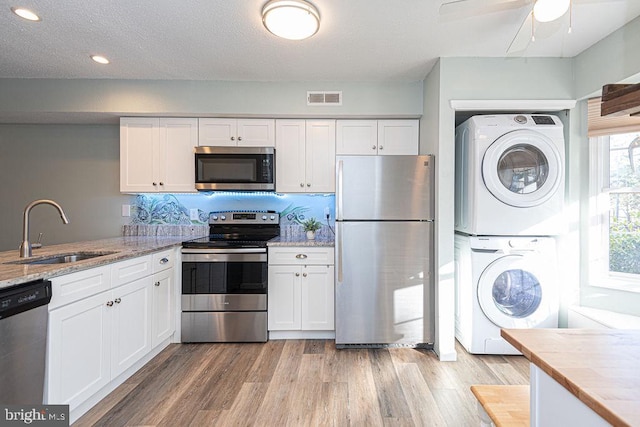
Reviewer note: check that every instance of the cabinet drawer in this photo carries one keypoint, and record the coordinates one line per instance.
(298, 255)
(130, 270)
(163, 260)
(76, 286)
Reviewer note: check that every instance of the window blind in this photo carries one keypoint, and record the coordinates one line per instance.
(609, 125)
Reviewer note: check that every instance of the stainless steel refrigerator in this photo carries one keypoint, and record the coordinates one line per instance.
(384, 244)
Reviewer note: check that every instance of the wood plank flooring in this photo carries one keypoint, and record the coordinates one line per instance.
(302, 383)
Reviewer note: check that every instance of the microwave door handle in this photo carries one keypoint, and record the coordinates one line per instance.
(339, 190)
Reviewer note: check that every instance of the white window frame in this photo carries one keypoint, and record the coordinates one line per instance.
(598, 238)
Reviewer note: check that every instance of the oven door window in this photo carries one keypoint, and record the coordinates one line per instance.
(224, 278)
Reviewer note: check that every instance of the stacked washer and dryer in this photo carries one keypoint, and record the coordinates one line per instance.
(508, 206)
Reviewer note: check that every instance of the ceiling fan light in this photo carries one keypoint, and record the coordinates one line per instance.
(550, 10)
(291, 19)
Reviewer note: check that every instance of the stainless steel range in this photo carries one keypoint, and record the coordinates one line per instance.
(224, 278)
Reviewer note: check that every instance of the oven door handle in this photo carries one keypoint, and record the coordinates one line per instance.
(224, 257)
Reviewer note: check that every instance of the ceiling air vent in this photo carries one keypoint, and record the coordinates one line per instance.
(324, 98)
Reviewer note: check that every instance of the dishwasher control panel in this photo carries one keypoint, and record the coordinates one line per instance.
(24, 297)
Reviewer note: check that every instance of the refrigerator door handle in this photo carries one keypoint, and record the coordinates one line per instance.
(339, 254)
(339, 191)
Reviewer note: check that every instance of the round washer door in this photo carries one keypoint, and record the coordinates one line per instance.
(522, 168)
(512, 292)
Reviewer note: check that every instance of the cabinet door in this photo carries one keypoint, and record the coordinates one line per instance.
(78, 350)
(320, 156)
(284, 298)
(398, 137)
(317, 298)
(256, 133)
(290, 158)
(356, 137)
(217, 132)
(163, 318)
(139, 154)
(131, 333)
(178, 137)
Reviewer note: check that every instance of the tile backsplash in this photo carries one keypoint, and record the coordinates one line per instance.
(177, 209)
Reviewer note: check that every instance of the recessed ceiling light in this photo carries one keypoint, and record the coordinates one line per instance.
(100, 59)
(25, 14)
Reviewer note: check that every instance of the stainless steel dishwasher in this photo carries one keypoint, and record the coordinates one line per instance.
(23, 342)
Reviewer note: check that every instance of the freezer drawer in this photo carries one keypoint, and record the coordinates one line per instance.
(384, 285)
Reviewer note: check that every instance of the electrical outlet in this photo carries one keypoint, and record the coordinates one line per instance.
(126, 210)
(194, 214)
(327, 212)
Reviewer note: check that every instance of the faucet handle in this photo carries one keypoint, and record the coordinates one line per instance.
(37, 244)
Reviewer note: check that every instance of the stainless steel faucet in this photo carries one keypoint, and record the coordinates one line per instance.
(25, 246)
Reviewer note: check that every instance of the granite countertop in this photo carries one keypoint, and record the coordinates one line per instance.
(301, 240)
(122, 248)
(599, 367)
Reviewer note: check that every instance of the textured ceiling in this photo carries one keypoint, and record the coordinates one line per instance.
(359, 40)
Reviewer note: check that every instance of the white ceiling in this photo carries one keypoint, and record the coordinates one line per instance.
(359, 40)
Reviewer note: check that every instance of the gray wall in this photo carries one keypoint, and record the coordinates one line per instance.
(77, 166)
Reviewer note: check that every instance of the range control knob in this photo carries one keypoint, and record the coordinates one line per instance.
(222, 217)
(272, 217)
(264, 217)
(215, 217)
(520, 119)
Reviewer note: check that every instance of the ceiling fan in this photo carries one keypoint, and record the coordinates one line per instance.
(543, 19)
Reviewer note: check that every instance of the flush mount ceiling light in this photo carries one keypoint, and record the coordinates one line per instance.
(291, 19)
(550, 10)
(25, 14)
(100, 59)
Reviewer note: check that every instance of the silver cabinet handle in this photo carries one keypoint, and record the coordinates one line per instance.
(308, 184)
(239, 138)
(109, 303)
(155, 183)
(380, 148)
(118, 301)
(161, 183)
(157, 284)
(164, 260)
(301, 185)
(297, 274)
(304, 274)
(301, 256)
(373, 148)
(233, 138)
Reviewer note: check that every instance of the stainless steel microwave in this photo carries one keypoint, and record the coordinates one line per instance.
(235, 169)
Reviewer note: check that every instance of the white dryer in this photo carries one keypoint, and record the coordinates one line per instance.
(503, 282)
(510, 175)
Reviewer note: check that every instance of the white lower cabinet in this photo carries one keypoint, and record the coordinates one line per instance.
(94, 339)
(301, 289)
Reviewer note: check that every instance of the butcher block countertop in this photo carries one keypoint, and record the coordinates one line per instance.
(599, 367)
(121, 247)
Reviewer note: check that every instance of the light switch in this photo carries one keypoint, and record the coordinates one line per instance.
(126, 210)
(194, 214)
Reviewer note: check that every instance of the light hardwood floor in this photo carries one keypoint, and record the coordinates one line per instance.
(303, 383)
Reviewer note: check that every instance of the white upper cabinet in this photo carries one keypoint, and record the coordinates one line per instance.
(236, 132)
(156, 154)
(305, 156)
(376, 137)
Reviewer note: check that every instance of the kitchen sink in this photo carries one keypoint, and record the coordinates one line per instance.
(63, 259)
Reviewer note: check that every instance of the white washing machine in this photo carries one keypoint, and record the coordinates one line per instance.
(503, 282)
(510, 175)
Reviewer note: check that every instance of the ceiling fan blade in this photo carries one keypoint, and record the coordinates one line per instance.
(523, 37)
(473, 7)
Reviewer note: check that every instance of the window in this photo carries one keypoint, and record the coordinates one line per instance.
(615, 211)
